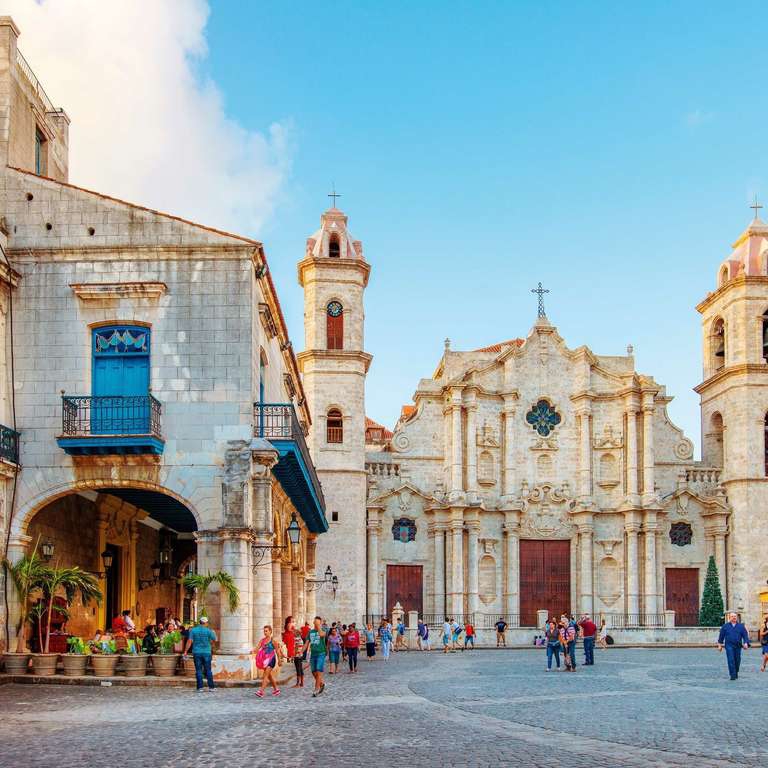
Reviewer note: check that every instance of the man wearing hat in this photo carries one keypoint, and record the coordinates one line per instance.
(200, 638)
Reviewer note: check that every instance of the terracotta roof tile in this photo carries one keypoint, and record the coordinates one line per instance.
(500, 346)
(371, 424)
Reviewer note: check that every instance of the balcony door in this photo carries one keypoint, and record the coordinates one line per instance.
(120, 404)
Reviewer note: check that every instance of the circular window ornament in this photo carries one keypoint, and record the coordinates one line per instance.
(681, 534)
(335, 309)
(543, 418)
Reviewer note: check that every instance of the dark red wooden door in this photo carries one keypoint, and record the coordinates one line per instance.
(404, 586)
(545, 584)
(683, 595)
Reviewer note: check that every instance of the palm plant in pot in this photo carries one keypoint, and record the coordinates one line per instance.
(25, 575)
(165, 662)
(76, 660)
(54, 580)
(200, 583)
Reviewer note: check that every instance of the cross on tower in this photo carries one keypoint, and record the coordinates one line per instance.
(540, 291)
(756, 206)
(334, 195)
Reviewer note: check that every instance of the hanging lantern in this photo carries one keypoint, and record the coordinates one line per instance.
(294, 530)
(47, 549)
(107, 557)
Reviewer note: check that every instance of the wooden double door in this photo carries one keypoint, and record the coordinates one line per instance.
(545, 579)
(405, 585)
(683, 595)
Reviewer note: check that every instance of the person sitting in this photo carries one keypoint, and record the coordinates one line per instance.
(151, 642)
(128, 622)
(118, 624)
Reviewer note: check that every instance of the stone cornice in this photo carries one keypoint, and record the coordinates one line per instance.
(738, 281)
(363, 268)
(334, 354)
(731, 370)
(127, 290)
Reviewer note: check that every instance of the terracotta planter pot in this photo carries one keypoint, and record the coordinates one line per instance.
(165, 664)
(104, 664)
(134, 665)
(16, 663)
(188, 666)
(74, 664)
(44, 663)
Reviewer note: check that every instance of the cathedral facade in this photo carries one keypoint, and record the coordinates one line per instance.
(532, 477)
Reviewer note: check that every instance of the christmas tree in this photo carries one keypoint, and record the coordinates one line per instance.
(712, 609)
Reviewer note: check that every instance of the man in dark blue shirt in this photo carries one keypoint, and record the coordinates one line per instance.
(733, 637)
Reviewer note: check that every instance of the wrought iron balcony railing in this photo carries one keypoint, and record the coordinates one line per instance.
(92, 415)
(277, 421)
(9, 444)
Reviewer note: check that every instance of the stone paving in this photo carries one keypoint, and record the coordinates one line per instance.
(642, 707)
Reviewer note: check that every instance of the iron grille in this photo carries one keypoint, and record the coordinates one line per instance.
(631, 620)
(489, 620)
(111, 415)
(9, 444)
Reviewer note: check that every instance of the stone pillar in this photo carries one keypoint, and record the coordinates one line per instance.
(720, 562)
(649, 493)
(512, 552)
(294, 593)
(102, 523)
(509, 487)
(17, 548)
(287, 590)
(632, 490)
(133, 579)
(632, 566)
(457, 460)
(439, 565)
(235, 636)
(472, 447)
(587, 589)
(302, 596)
(473, 584)
(374, 529)
(650, 526)
(311, 599)
(277, 593)
(585, 456)
(263, 594)
(456, 572)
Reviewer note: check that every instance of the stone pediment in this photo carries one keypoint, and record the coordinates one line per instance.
(680, 502)
(404, 494)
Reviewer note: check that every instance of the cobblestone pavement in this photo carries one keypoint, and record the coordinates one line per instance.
(661, 707)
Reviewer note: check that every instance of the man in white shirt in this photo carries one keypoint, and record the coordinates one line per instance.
(129, 625)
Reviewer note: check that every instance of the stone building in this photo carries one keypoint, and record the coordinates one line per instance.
(156, 411)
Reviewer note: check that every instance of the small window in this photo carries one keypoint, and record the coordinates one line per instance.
(404, 530)
(681, 534)
(334, 426)
(334, 516)
(543, 418)
(39, 153)
(334, 247)
(334, 325)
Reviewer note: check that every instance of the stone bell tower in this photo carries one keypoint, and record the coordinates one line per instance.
(334, 275)
(734, 413)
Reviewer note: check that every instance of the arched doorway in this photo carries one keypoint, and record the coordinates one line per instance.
(134, 539)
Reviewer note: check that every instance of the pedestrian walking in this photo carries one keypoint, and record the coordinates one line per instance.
(762, 635)
(456, 630)
(317, 648)
(567, 632)
(370, 642)
(352, 644)
(446, 635)
(422, 636)
(469, 635)
(552, 635)
(501, 628)
(292, 653)
(266, 661)
(602, 638)
(733, 637)
(343, 633)
(334, 650)
(200, 638)
(385, 638)
(400, 641)
(588, 632)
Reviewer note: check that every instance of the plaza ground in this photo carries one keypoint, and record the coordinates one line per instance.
(636, 707)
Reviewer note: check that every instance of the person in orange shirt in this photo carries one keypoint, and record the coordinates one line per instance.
(469, 636)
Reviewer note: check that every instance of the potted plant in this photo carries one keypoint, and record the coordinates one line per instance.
(76, 660)
(165, 662)
(132, 661)
(104, 658)
(53, 580)
(25, 575)
(201, 583)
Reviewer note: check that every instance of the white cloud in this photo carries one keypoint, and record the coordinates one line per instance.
(145, 126)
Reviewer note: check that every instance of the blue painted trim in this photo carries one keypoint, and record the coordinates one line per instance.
(313, 516)
(111, 444)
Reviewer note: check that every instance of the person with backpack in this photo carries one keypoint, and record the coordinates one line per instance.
(266, 661)
(552, 635)
(469, 636)
(422, 636)
(501, 628)
(457, 629)
(400, 640)
(446, 635)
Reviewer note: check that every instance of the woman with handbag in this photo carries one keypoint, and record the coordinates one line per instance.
(266, 661)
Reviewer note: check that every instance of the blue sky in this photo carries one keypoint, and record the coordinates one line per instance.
(609, 151)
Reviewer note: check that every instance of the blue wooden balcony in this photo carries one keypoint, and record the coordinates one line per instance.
(111, 424)
(9, 444)
(277, 423)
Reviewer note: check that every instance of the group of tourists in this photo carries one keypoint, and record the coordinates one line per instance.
(560, 637)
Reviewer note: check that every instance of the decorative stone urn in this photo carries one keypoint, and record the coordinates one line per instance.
(16, 663)
(44, 664)
(74, 664)
(134, 665)
(165, 664)
(104, 664)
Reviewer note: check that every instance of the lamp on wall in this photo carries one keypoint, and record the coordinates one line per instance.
(47, 548)
(329, 581)
(259, 551)
(144, 583)
(107, 558)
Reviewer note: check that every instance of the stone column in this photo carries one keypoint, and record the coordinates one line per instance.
(133, 582)
(311, 599)
(472, 447)
(633, 587)
(632, 490)
(649, 526)
(473, 583)
(457, 568)
(586, 531)
(102, 523)
(287, 590)
(17, 548)
(585, 456)
(302, 609)
(457, 460)
(235, 637)
(648, 453)
(374, 529)
(263, 593)
(509, 487)
(512, 545)
(277, 592)
(439, 565)
(294, 593)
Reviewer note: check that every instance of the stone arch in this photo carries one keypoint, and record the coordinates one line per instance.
(717, 344)
(608, 580)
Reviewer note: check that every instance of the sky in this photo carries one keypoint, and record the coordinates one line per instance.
(608, 150)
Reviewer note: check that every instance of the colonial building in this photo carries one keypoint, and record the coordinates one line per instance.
(156, 414)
